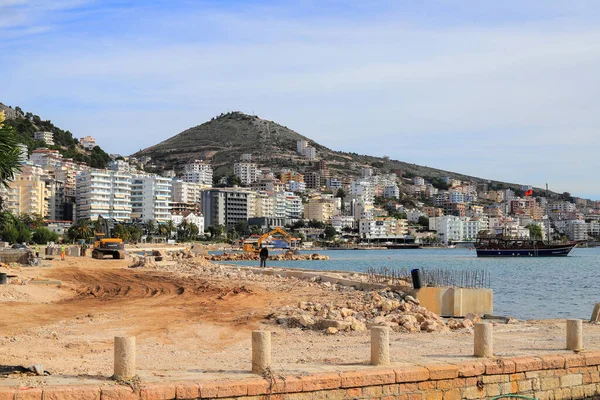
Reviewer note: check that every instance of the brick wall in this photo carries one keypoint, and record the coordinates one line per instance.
(567, 376)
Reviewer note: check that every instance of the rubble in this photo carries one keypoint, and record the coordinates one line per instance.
(389, 308)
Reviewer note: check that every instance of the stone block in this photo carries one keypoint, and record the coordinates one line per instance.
(544, 395)
(574, 360)
(552, 361)
(571, 380)
(469, 369)
(427, 385)
(499, 366)
(493, 389)
(372, 392)
(525, 385)
(354, 392)
(562, 393)
(472, 392)
(577, 392)
(411, 374)
(495, 379)
(311, 383)
(415, 396)
(27, 393)
(592, 358)
(452, 394)
(162, 391)
(434, 395)
(408, 387)
(590, 390)
(391, 389)
(223, 389)
(187, 390)
(442, 371)
(84, 392)
(450, 383)
(368, 378)
(7, 393)
(523, 364)
(119, 393)
(549, 383)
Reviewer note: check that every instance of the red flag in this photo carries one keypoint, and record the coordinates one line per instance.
(529, 192)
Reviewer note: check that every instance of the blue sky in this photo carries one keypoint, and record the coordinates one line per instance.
(503, 90)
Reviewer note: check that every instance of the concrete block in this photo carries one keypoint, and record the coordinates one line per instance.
(596, 313)
(124, 360)
(380, 345)
(574, 334)
(261, 351)
(483, 345)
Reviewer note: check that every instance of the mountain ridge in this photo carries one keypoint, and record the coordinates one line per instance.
(223, 139)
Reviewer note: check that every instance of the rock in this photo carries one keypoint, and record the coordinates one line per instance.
(466, 323)
(326, 284)
(377, 321)
(411, 299)
(474, 318)
(331, 331)
(346, 312)
(306, 321)
(429, 326)
(358, 326)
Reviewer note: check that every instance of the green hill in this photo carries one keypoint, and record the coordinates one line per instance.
(26, 124)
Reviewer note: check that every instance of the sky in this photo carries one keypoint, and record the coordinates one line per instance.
(505, 90)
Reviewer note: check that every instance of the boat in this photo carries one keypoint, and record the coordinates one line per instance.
(501, 246)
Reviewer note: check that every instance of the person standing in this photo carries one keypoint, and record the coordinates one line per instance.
(264, 254)
(63, 252)
(37, 251)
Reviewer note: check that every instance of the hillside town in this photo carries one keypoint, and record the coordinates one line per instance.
(377, 207)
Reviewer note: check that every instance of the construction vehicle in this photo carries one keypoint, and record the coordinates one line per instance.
(105, 244)
(292, 242)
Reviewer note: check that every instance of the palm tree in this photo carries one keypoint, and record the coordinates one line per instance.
(170, 225)
(150, 227)
(9, 153)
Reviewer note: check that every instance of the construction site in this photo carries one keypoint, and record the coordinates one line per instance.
(193, 319)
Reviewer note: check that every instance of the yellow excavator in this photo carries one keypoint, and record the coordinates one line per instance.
(251, 247)
(105, 244)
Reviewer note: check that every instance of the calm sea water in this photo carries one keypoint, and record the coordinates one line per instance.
(524, 288)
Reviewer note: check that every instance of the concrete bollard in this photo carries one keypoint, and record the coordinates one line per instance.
(380, 345)
(574, 334)
(261, 351)
(124, 368)
(596, 313)
(484, 340)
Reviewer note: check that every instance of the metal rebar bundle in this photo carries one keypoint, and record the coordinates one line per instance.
(432, 277)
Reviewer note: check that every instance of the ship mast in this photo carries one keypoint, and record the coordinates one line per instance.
(547, 216)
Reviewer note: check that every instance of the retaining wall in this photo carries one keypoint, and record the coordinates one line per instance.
(566, 376)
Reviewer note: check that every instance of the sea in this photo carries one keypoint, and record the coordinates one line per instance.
(524, 287)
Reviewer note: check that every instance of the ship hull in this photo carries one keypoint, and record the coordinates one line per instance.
(558, 251)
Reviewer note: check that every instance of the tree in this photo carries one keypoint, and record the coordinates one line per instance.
(330, 232)
(423, 221)
(150, 227)
(535, 231)
(43, 236)
(120, 231)
(9, 153)
(170, 228)
(82, 229)
(340, 193)
(135, 233)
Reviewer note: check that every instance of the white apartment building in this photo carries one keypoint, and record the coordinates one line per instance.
(105, 193)
(333, 183)
(198, 172)
(119, 165)
(151, 198)
(577, 229)
(301, 146)
(186, 192)
(47, 137)
(383, 228)
(562, 206)
(46, 158)
(294, 186)
(310, 153)
(418, 181)
(87, 142)
(248, 173)
(339, 222)
(455, 196)
(363, 189)
(391, 192)
(190, 217)
(23, 152)
(413, 215)
(457, 229)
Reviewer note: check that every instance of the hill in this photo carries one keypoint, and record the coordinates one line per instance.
(222, 140)
(26, 124)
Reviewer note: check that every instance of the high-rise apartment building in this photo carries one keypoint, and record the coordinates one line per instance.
(227, 206)
(47, 137)
(105, 193)
(151, 198)
(198, 172)
(248, 173)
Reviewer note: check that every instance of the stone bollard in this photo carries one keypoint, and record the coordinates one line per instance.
(124, 368)
(484, 340)
(596, 313)
(261, 351)
(380, 345)
(574, 334)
